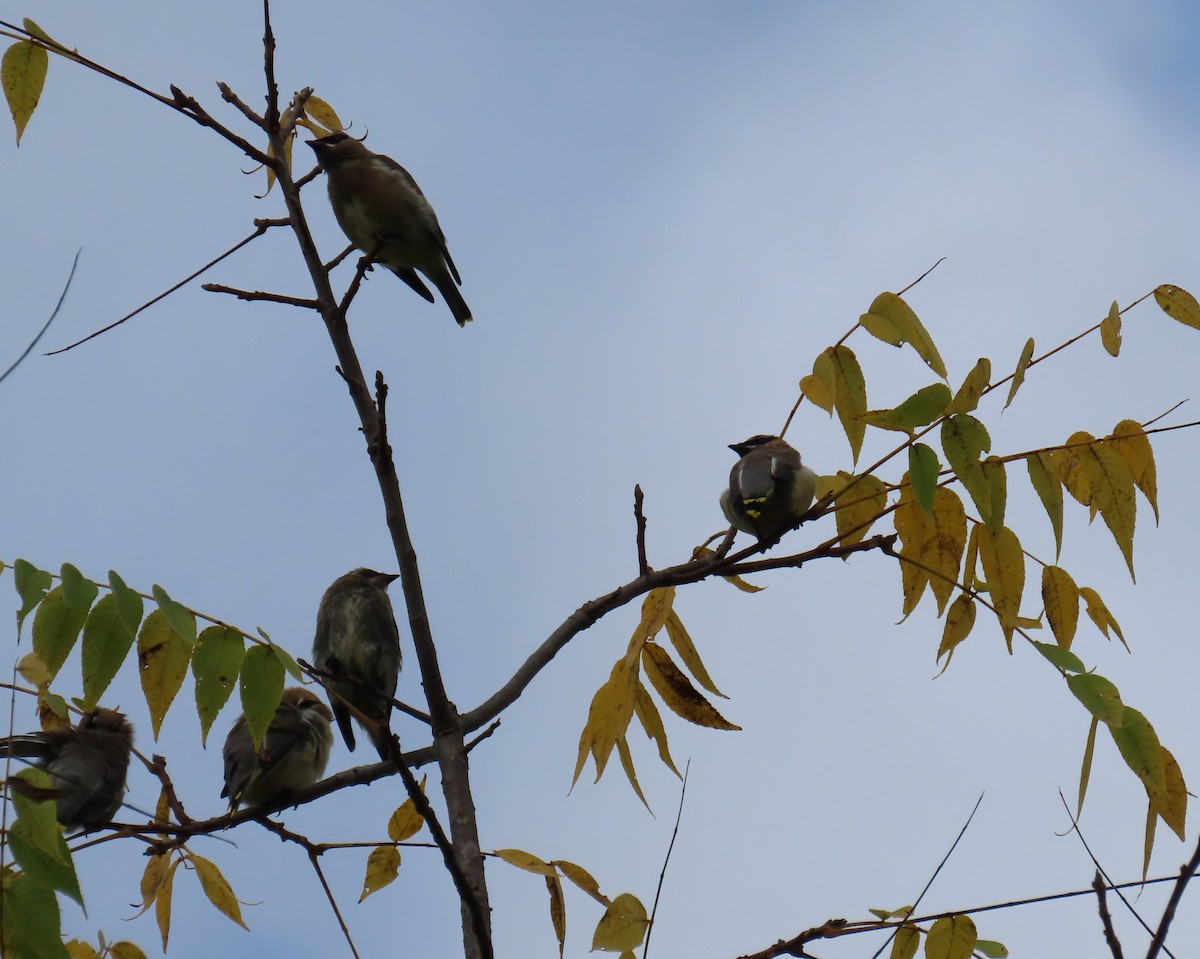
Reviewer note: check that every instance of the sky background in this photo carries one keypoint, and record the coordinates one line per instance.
(661, 214)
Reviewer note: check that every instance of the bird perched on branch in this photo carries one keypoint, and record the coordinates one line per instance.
(769, 488)
(87, 764)
(295, 751)
(357, 651)
(384, 213)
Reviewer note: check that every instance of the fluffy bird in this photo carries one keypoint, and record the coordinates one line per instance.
(295, 752)
(357, 650)
(383, 212)
(769, 488)
(87, 764)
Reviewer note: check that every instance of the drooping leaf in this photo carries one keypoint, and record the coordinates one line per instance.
(36, 841)
(558, 911)
(951, 937)
(1085, 772)
(216, 663)
(931, 546)
(1004, 566)
(181, 618)
(405, 822)
(1043, 474)
(1061, 598)
(1130, 441)
(648, 715)
(623, 925)
(324, 114)
(677, 691)
(964, 441)
(30, 918)
(819, 386)
(1064, 659)
(261, 685)
(23, 76)
(216, 887)
(56, 628)
(128, 602)
(905, 943)
(106, 642)
(858, 506)
(1099, 614)
(608, 718)
(526, 860)
(163, 658)
(997, 485)
(31, 584)
(1154, 765)
(626, 757)
(923, 470)
(959, 621)
(582, 878)
(688, 653)
(1102, 698)
(850, 395)
(383, 866)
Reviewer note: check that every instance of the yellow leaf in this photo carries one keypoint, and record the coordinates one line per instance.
(324, 114)
(23, 75)
(217, 889)
(656, 607)
(153, 877)
(648, 715)
(631, 773)
(892, 320)
(525, 860)
(1097, 475)
(959, 622)
(741, 584)
(1154, 766)
(858, 506)
(690, 658)
(383, 866)
(1173, 810)
(582, 878)
(997, 486)
(558, 911)
(1129, 439)
(818, 391)
(34, 671)
(1098, 613)
(1061, 598)
(952, 937)
(677, 691)
(1004, 567)
(162, 903)
(906, 942)
(932, 545)
(1148, 848)
(623, 925)
(1018, 376)
(967, 397)
(78, 949)
(850, 395)
(1178, 304)
(964, 441)
(608, 718)
(1085, 772)
(1110, 330)
(405, 822)
(163, 657)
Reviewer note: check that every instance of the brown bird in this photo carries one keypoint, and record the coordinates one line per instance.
(769, 488)
(357, 648)
(87, 764)
(295, 752)
(384, 213)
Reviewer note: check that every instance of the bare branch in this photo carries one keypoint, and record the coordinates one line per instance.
(1110, 934)
(45, 326)
(263, 296)
(639, 516)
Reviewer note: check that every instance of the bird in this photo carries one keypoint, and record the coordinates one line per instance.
(87, 764)
(383, 212)
(294, 754)
(769, 488)
(356, 649)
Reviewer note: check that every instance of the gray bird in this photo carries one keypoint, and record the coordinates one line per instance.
(383, 212)
(295, 752)
(87, 764)
(769, 488)
(357, 649)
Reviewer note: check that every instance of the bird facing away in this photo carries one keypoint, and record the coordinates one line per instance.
(383, 212)
(357, 650)
(769, 488)
(87, 765)
(295, 752)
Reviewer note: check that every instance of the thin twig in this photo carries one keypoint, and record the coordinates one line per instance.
(261, 227)
(261, 296)
(1185, 876)
(46, 325)
(662, 875)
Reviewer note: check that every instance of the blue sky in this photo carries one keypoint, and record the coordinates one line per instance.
(661, 215)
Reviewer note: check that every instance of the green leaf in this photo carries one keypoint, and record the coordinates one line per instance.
(893, 321)
(129, 603)
(31, 921)
(106, 642)
(163, 657)
(1101, 697)
(78, 591)
(964, 439)
(1062, 658)
(216, 662)
(37, 841)
(920, 409)
(262, 689)
(1018, 376)
(56, 628)
(179, 616)
(1044, 475)
(967, 397)
(32, 584)
(923, 470)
